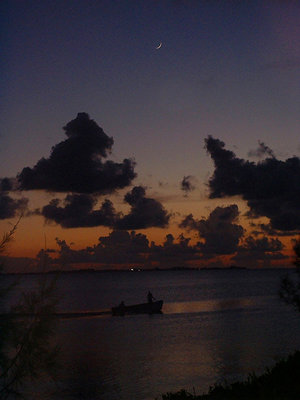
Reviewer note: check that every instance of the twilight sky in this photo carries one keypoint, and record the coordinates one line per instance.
(193, 146)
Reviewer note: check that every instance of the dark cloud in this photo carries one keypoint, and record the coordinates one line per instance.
(188, 184)
(6, 184)
(174, 253)
(263, 244)
(262, 250)
(9, 207)
(262, 151)
(145, 212)
(122, 247)
(44, 259)
(271, 187)
(75, 165)
(78, 212)
(220, 231)
(268, 230)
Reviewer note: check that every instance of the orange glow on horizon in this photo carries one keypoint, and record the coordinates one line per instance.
(33, 234)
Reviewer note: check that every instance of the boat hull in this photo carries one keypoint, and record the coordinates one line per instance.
(144, 308)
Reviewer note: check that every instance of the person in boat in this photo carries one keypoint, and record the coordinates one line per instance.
(150, 297)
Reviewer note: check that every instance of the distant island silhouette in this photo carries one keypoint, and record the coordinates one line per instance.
(140, 270)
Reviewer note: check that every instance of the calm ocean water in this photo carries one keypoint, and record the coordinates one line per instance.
(215, 325)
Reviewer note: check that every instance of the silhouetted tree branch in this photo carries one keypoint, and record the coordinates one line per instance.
(26, 351)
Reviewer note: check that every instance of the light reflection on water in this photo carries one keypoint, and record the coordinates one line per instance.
(210, 305)
(214, 326)
(142, 356)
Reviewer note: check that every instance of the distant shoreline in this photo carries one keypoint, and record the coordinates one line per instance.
(141, 270)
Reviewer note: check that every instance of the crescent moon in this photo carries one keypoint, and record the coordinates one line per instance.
(159, 46)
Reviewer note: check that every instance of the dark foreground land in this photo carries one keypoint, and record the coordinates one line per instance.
(282, 382)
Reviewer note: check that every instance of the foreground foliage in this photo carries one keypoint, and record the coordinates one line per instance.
(282, 382)
(26, 349)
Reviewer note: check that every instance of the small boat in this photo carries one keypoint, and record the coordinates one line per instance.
(144, 308)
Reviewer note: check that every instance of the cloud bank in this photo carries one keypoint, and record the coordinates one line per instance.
(126, 248)
(259, 250)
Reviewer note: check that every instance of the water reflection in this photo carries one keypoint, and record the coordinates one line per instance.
(192, 344)
(210, 305)
(90, 369)
(249, 340)
(83, 377)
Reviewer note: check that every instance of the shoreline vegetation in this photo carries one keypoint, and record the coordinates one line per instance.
(281, 382)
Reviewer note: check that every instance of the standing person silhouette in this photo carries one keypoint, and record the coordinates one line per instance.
(150, 297)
